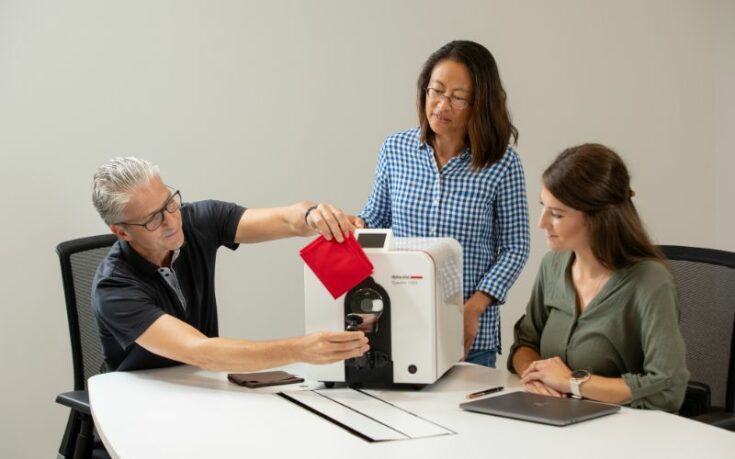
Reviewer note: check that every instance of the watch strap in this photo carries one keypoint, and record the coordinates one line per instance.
(575, 383)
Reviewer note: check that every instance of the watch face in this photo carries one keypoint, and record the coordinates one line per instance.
(580, 374)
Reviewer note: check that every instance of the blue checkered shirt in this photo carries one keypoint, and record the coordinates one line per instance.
(485, 210)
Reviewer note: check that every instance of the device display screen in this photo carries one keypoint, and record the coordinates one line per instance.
(371, 240)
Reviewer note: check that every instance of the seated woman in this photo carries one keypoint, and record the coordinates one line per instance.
(602, 321)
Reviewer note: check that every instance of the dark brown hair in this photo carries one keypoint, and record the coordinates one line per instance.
(490, 130)
(593, 179)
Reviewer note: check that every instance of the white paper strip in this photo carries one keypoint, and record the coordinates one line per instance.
(370, 416)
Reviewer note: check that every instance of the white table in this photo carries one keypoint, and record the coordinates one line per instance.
(184, 412)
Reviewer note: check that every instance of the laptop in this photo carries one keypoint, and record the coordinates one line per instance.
(540, 408)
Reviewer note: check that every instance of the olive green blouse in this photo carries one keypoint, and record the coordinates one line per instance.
(629, 330)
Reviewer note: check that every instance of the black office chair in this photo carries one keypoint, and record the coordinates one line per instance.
(706, 282)
(79, 260)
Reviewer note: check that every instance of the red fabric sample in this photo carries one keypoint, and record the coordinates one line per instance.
(339, 266)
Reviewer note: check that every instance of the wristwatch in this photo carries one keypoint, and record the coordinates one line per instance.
(578, 378)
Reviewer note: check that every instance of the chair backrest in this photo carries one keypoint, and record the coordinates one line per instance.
(706, 282)
(79, 261)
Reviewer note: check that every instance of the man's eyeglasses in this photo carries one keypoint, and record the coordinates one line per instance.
(456, 102)
(155, 221)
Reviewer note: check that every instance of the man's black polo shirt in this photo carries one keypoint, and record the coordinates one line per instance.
(129, 294)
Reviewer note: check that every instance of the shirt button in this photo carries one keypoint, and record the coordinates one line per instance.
(436, 202)
(433, 231)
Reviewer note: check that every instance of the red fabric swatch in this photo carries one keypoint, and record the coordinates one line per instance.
(339, 266)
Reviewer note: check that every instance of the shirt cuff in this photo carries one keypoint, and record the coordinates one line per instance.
(493, 290)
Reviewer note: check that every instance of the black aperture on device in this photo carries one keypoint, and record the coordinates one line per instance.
(371, 240)
(367, 307)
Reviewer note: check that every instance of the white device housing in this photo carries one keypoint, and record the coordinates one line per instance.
(423, 279)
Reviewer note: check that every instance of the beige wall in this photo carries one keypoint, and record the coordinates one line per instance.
(724, 58)
(267, 103)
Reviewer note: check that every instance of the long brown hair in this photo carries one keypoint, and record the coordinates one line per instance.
(490, 129)
(593, 179)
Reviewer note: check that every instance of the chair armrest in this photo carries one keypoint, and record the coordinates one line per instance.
(77, 400)
(717, 417)
(696, 400)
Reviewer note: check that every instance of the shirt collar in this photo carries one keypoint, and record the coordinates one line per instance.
(140, 263)
(137, 261)
(463, 156)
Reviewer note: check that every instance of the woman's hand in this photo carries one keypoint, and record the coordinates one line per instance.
(552, 373)
(537, 387)
(473, 309)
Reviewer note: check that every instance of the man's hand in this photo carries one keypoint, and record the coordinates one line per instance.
(330, 347)
(330, 222)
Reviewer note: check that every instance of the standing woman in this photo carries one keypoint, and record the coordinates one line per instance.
(457, 176)
(602, 322)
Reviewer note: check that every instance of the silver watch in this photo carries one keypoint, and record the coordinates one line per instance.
(578, 378)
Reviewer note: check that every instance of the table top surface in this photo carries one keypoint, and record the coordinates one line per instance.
(188, 412)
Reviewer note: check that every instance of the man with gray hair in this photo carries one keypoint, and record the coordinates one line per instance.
(153, 294)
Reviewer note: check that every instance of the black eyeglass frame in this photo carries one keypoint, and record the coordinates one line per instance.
(460, 103)
(175, 197)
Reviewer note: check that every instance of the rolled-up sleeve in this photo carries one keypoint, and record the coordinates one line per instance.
(662, 385)
(527, 331)
(511, 232)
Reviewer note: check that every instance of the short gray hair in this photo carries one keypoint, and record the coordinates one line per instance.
(113, 183)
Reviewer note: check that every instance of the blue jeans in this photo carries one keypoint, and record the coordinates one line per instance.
(485, 357)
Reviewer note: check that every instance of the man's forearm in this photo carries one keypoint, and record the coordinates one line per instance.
(259, 225)
(226, 354)
(295, 217)
(176, 340)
